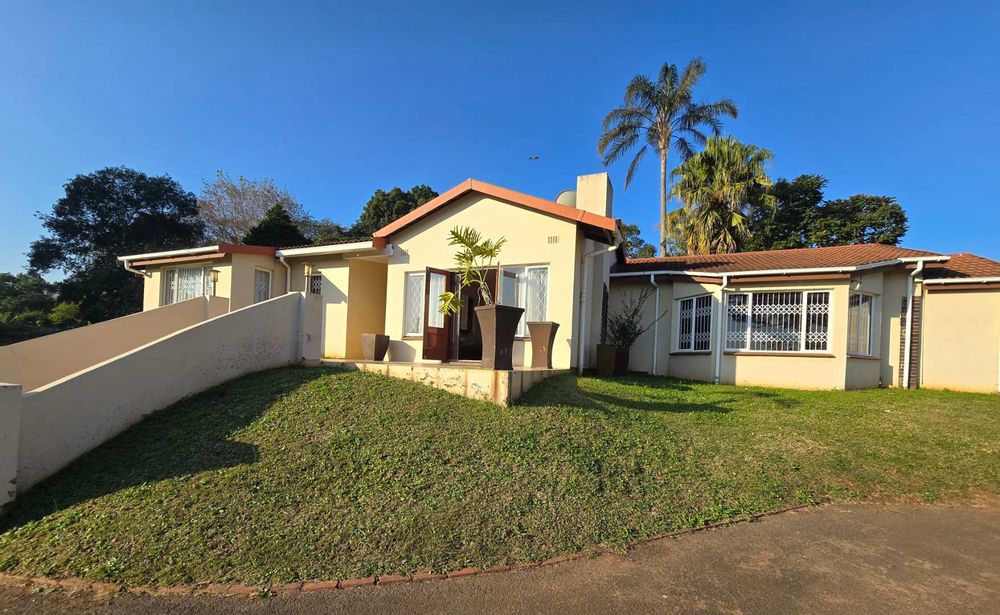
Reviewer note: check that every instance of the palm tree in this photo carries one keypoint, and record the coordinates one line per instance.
(719, 188)
(661, 115)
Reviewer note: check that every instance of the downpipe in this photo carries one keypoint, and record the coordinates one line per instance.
(909, 323)
(718, 346)
(656, 324)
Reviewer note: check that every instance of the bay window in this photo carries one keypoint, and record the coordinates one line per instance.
(693, 330)
(860, 312)
(778, 321)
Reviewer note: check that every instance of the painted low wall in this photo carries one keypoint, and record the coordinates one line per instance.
(10, 421)
(37, 362)
(960, 345)
(66, 418)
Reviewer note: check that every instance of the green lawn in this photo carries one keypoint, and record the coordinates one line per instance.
(304, 473)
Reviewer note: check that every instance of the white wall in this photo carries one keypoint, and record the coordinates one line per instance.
(66, 418)
(10, 421)
(42, 360)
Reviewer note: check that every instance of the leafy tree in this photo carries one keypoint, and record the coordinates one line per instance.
(22, 293)
(230, 208)
(385, 207)
(66, 315)
(796, 203)
(635, 245)
(720, 187)
(107, 213)
(862, 218)
(275, 229)
(661, 115)
(801, 218)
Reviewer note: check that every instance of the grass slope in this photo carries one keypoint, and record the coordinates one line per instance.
(306, 473)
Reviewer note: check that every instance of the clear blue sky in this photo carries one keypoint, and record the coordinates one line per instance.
(335, 101)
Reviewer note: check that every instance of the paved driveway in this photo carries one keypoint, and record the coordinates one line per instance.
(833, 559)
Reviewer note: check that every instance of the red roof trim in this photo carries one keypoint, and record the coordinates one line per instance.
(237, 248)
(503, 194)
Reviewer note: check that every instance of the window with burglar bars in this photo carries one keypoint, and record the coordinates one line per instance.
(694, 323)
(779, 321)
(316, 284)
(859, 324)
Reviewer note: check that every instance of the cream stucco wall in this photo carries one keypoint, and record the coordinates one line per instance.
(42, 360)
(960, 345)
(366, 311)
(236, 278)
(64, 419)
(10, 428)
(425, 244)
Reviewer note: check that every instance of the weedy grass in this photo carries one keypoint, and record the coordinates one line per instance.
(306, 473)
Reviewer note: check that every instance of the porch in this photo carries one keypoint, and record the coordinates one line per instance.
(467, 379)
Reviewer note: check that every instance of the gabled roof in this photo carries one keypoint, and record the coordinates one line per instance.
(598, 226)
(963, 265)
(770, 260)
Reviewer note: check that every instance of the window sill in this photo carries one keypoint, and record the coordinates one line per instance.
(681, 353)
(745, 353)
(413, 337)
(865, 357)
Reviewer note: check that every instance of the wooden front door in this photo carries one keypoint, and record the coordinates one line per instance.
(437, 326)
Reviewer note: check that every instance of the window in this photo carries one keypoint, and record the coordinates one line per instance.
(261, 285)
(413, 305)
(860, 308)
(779, 321)
(315, 284)
(528, 288)
(694, 324)
(183, 283)
(438, 283)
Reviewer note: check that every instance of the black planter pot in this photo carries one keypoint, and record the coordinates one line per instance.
(374, 346)
(498, 324)
(622, 357)
(606, 354)
(542, 336)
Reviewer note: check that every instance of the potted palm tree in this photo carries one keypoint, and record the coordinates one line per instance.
(497, 323)
(625, 326)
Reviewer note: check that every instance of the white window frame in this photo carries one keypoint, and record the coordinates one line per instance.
(270, 284)
(803, 320)
(694, 309)
(407, 304)
(874, 325)
(165, 289)
(521, 299)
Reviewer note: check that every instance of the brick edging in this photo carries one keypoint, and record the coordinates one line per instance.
(237, 589)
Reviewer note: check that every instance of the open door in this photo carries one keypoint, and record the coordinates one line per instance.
(437, 326)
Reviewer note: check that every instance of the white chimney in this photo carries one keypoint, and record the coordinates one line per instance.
(594, 194)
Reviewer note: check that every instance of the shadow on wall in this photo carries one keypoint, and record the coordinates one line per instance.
(642, 393)
(188, 437)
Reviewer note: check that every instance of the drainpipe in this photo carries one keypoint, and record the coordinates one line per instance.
(288, 274)
(718, 347)
(909, 323)
(135, 271)
(656, 324)
(581, 344)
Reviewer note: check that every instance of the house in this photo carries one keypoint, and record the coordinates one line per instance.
(841, 317)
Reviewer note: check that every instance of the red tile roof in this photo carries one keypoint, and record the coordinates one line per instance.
(601, 224)
(799, 258)
(963, 265)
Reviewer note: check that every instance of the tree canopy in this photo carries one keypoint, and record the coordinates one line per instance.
(231, 207)
(275, 229)
(635, 245)
(384, 207)
(802, 218)
(720, 188)
(102, 215)
(661, 115)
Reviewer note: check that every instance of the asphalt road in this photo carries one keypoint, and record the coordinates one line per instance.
(835, 559)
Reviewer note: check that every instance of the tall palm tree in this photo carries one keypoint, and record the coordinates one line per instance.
(719, 188)
(661, 115)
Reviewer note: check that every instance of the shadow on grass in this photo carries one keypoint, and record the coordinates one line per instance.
(645, 393)
(188, 437)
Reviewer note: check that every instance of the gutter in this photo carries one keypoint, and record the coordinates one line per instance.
(169, 253)
(718, 346)
(288, 274)
(981, 280)
(789, 272)
(130, 269)
(581, 344)
(656, 324)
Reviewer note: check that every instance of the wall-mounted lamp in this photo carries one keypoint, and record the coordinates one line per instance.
(215, 280)
(856, 283)
(310, 270)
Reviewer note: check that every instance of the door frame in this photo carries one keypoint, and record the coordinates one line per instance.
(437, 340)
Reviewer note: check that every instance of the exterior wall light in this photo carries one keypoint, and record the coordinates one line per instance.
(215, 280)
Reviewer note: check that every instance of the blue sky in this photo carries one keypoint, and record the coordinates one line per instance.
(333, 101)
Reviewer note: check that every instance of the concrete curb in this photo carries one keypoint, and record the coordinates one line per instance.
(75, 584)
